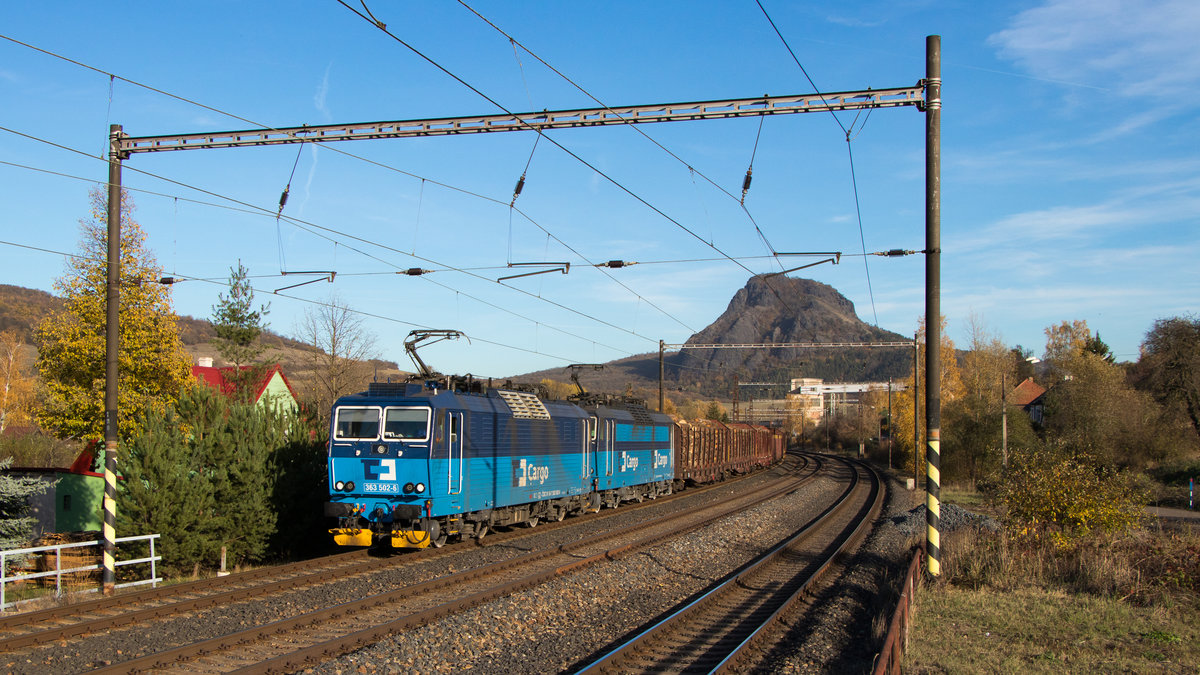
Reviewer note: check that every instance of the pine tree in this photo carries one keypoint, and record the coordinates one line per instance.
(237, 323)
(152, 364)
(301, 488)
(202, 477)
(237, 449)
(167, 491)
(16, 525)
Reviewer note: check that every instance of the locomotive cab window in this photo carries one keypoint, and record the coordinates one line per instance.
(352, 424)
(406, 424)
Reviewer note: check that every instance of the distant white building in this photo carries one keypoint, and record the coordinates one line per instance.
(810, 398)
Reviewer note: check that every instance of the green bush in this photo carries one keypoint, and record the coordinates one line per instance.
(1063, 496)
(207, 475)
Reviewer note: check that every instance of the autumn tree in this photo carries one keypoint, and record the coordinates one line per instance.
(902, 403)
(1066, 338)
(1096, 412)
(152, 364)
(344, 347)
(1171, 362)
(557, 390)
(973, 422)
(16, 385)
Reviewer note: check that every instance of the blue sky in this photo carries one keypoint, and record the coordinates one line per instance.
(1070, 171)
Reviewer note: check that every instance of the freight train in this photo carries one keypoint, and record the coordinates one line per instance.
(414, 464)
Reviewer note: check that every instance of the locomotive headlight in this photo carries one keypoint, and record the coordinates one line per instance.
(408, 488)
(381, 449)
(350, 486)
(420, 488)
(339, 486)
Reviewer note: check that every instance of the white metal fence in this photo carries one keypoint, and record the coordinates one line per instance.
(55, 553)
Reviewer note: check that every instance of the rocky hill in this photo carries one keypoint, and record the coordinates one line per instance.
(767, 309)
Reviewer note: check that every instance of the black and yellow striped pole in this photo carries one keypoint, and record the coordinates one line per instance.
(111, 343)
(933, 310)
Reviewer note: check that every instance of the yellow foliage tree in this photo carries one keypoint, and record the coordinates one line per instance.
(902, 402)
(16, 385)
(1066, 339)
(152, 365)
(556, 390)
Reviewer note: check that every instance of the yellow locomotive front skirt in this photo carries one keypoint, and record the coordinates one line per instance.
(352, 536)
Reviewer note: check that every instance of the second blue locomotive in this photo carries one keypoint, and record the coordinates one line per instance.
(415, 464)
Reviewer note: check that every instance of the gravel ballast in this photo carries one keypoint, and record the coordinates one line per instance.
(562, 625)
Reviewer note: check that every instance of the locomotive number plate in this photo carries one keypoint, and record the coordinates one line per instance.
(389, 488)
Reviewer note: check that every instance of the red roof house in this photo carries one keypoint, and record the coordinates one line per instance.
(271, 388)
(1029, 395)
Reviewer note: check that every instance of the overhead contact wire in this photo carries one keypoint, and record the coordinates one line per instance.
(304, 225)
(848, 134)
(330, 148)
(602, 104)
(635, 128)
(560, 146)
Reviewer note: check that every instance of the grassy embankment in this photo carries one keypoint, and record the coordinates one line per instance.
(1127, 603)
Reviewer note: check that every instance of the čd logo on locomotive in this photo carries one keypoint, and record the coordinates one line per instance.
(526, 473)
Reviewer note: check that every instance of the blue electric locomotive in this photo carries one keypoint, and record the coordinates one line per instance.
(415, 464)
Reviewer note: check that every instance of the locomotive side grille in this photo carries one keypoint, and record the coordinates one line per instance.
(525, 405)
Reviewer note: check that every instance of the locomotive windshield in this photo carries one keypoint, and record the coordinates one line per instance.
(406, 424)
(356, 424)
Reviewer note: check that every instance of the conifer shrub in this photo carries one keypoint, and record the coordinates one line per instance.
(205, 475)
(16, 523)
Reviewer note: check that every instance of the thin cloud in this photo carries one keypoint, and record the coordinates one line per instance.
(1135, 210)
(322, 93)
(1134, 48)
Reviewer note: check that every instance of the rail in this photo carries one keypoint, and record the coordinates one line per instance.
(58, 571)
(717, 632)
(896, 642)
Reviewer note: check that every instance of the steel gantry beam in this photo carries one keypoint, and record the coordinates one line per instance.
(532, 121)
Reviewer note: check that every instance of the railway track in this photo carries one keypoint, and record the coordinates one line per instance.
(311, 636)
(41, 626)
(721, 629)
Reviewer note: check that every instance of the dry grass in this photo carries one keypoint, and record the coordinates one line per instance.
(1121, 604)
(1047, 631)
